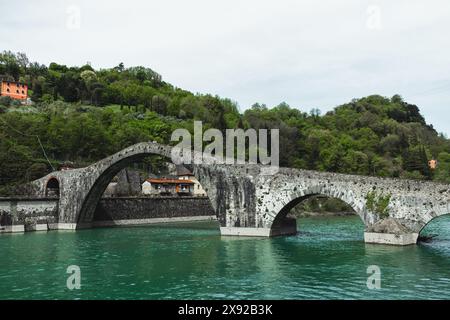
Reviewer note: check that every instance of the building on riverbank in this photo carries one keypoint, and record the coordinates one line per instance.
(14, 90)
(432, 164)
(184, 174)
(181, 181)
(167, 186)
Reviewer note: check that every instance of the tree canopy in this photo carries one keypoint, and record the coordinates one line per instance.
(82, 115)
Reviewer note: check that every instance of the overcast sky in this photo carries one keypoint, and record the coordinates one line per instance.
(307, 53)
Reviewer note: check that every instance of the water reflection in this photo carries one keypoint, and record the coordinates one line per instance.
(326, 260)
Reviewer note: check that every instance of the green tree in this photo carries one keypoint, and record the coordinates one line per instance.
(443, 167)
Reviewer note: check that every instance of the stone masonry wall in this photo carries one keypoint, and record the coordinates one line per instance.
(125, 208)
(27, 212)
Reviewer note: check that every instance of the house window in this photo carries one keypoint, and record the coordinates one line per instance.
(7, 90)
(23, 92)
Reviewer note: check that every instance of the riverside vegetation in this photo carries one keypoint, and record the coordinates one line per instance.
(82, 115)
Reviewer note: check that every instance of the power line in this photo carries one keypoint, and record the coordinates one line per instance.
(30, 135)
(433, 90)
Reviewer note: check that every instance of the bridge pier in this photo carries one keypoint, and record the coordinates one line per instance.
(391, 231)
(286, 227)
(391, 238)
(12, 228)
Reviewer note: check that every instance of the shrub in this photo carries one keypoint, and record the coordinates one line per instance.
(378, 203)
(5, 101)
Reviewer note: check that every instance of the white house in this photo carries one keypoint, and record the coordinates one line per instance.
(184, 174)
(147, 187)
(168, 186)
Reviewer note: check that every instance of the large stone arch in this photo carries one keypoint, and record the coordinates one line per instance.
(82, 188)
(107, 168)
(101, 183)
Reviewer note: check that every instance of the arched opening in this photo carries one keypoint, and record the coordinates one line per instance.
(52, 188)
(143, 188)
(436, 231)
(318, 214)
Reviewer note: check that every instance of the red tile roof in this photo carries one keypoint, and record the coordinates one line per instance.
(169, 181)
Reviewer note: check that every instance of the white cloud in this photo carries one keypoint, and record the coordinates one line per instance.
(307, 53)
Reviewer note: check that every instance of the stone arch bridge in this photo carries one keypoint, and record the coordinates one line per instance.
(250, 203)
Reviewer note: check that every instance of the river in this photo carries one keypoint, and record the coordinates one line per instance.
(326, 260)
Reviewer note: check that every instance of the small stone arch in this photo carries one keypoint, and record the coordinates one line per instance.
(347, 196)
(52, 187)
(430, 217)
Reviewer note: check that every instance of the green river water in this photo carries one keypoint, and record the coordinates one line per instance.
(326, 260)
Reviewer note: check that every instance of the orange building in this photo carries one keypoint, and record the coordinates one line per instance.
(15, 90)
(432, 164)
